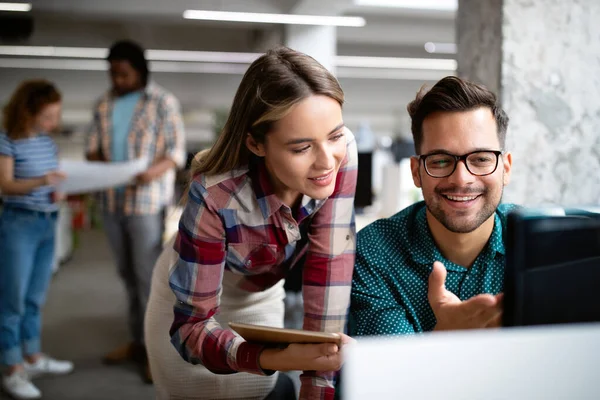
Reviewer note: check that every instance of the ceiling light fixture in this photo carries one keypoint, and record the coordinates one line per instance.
(437, 5)
(396, 62)
(440, 48)
(152, 55)
(187, 58)
(20, 7)
(288, 19)
(77, 64)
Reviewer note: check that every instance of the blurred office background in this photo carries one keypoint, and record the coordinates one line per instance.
(540, 56)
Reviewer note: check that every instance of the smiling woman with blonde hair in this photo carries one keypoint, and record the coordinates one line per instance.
(274, 193)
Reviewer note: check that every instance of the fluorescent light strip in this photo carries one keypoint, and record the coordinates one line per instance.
(394, 74)
(20, 7)
(439, 5)
(440, 48)
(63, 64)
(74, 64)
(189, 57)
(51, 51)
(289, 19)
(396, 63)
(201, 56)
(152, 55)
(197, 67)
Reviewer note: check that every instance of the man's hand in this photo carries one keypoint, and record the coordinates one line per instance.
(145, 177)
(155, 171)
(96, 156)
(481, 311)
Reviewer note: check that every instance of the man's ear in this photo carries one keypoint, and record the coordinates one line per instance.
(414, 167)
(255, 147)
(507, 168)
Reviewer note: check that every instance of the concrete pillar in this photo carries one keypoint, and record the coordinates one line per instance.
(317, 41)
(541, 58)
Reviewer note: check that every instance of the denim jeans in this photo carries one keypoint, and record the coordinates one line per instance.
(26, 256)
(136, 242)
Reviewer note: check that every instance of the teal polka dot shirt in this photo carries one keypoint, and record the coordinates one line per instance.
(394, 258)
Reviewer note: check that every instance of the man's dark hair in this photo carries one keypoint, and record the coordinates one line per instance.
(452, 94)
(126, 50)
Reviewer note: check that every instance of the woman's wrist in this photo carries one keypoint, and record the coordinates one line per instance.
(269, 359)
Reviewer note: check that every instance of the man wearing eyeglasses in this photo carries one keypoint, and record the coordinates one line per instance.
(439, 264)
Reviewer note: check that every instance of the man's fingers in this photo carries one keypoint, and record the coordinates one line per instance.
(482, 309)
(487, 316)
(500, 299)
(495, 322)
(437, 282)
(478, 304)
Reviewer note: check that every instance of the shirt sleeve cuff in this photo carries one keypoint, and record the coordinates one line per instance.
(248, 357)
(316, 393)
(178, 157)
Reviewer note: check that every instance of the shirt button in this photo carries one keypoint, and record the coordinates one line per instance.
(248, 263)
(347, 237)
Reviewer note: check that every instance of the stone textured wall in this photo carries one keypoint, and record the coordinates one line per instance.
(479, 42)
(550, 88)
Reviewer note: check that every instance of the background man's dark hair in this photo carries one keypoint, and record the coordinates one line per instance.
(452, 94)
(126, 50)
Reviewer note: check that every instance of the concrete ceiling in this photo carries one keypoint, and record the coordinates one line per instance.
(391, 30)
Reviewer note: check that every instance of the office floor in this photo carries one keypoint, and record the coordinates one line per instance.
(85, 317)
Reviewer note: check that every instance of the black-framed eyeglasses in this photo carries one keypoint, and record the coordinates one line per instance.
(478, 163)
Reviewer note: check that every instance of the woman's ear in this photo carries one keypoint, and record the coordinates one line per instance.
(255, 147)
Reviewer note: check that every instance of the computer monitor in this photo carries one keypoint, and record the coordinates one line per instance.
(552, 271)
(524, 363)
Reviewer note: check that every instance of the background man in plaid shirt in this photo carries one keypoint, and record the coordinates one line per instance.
(136, 119)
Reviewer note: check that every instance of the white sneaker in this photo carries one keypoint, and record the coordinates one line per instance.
(20, 387)
(48, 365)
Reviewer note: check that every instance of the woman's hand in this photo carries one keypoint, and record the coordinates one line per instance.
(57, 197)
(306, 357)
(53, 178)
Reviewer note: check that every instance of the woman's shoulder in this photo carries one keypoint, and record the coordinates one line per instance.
(221, 187)
(224, 180)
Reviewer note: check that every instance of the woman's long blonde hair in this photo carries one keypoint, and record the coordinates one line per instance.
(273, 83)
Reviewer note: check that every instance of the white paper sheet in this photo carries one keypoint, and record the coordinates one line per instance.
(91, 176)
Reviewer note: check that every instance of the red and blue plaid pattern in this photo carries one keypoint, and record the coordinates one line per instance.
(156, 131)
(236, 222)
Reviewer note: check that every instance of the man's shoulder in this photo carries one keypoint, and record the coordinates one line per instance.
(161, 95)
(504, 209)
(390, 236)
(103, 99)
(391, 227)
(507, 208)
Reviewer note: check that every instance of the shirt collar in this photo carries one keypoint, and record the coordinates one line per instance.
(147, 91)
(267, 199)
(424, 250)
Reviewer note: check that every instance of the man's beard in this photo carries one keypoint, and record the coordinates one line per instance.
(458, 224)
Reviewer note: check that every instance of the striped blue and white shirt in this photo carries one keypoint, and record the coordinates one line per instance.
(33, 157)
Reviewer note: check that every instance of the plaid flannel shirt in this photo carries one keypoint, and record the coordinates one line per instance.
(235, 222)
(156, 132)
